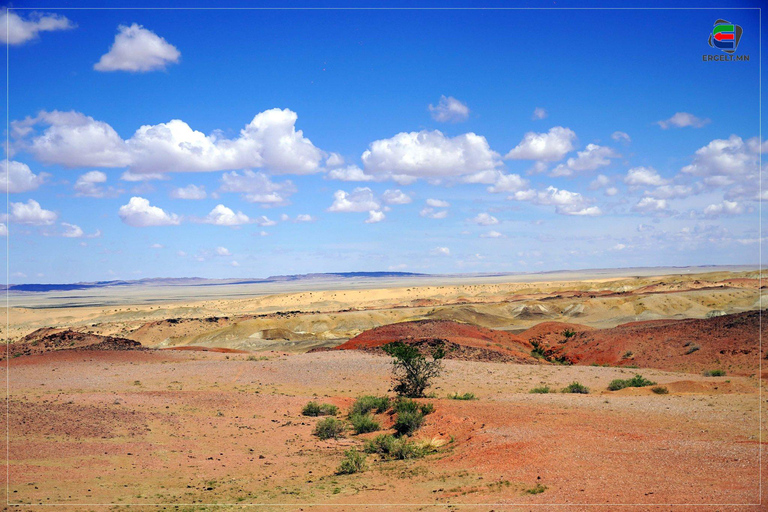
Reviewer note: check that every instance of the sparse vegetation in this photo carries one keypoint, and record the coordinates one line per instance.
(575, 387)
(413, 372)
(390, 447)
(692, 349)
(541, 389)
(638, 381)
(329, 428)
(538, 350)
(536, 489)
(315, 409)
(569, 333)
(427, 409)
(628, 355)
(714, 373)
(368, 403)
(363, 423)
(465, 396)
(660, 390)
(354, 462)
(405, 405)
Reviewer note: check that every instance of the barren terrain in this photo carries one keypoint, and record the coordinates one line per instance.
(95, 418)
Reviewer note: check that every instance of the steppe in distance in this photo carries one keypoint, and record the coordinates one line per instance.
(190, 392)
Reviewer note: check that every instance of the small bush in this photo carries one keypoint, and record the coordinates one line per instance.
(391, 447)
(714, 373)
(692, 349)
(627, 354)
(412, 371)
(315, 409)
(427, 409)
(660, 390)
(465, 396)
(405, 405)
(542, 389)
(354, 462)
(538, 350)
(329, 428)
(363, 423)
(537, 489)
(575, 387)
(569, 333)
(408, 422)
(638, 381)
(368, 403)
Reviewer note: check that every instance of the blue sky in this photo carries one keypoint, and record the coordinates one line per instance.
(359, 140)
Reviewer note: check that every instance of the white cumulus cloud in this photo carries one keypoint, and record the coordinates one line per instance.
(644, 176)
(139, 213)
(484, 219)
(593, 157)
(17, 177)
(374, 217)
(137, 50)
(724, 208)
(681, 120)
(547, 147)
(223, 216)
(360, 199)
(257, 187)
(31, 213)
(189, 192)
(539, 113)
(16, 30)
(396, 197)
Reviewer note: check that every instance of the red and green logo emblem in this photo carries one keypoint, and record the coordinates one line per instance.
(725, 36)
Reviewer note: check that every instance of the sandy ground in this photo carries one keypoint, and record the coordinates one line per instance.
(162, 427)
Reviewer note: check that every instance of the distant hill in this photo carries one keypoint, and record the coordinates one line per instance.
(200, 281)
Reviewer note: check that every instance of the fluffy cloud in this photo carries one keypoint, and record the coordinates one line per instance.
(484, 219)
(538, 113)
(565, 202)
(621, 136)
(429, 154)
(374, 217)
(3, 229)
(16, 30)
(681, 120)
(508, 183)
(189, 192)
(644, 176)
(437, 203)
(396, 197)
(18, 177)
(360, 200)
(88, 185)
(137, 50)
(593, 157)
(72, 139)
(223, 251)
(725, 157)
(442, 251)
(72, 230)
(547, 147)
(650, 205)
(31, 213)
(670, 192)
(334, 160)
(223, 216)
(433, 214)
(449, 110)
(305, 217)
(724, 208)
(492, 234)
(601, 181)
(264, 221)
(139, 213)
(256, 187)
(350, 173)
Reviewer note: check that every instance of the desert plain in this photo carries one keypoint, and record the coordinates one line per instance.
(189, 396)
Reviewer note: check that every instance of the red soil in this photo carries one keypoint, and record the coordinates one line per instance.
(729, 342)
(464, 341)
(47, 340)
(221, 350)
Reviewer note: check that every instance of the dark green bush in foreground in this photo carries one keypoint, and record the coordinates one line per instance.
(369, 403)
(408, 422)
(363, 423)
(329, 428)
(391, 447)
(575, 387)
(315, 409)
(714, 373)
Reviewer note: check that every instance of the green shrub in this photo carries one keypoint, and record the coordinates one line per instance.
(542, 389)
(405, 405)
(412, 371)
(363, 423)
(638, 381)
(569, 333)
(627, 354)
(408, 422)
(660, 390)
(391, 447)
(427, 409)
(315, 409)
(714, 373)
(329, 428)
(537, 489)
(465, 396)
(368, 403)
(692, 349)
(354, 462)
(575, 387)
(538, 350)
